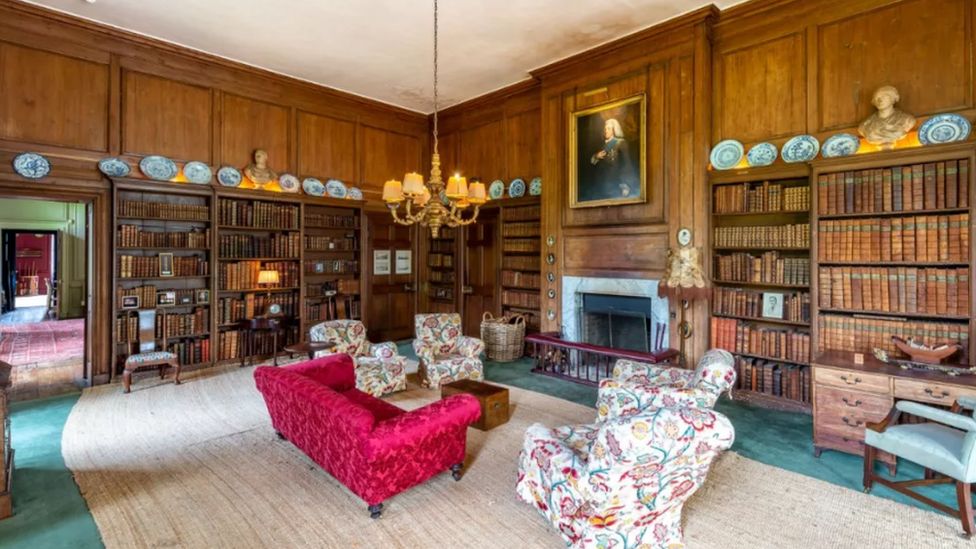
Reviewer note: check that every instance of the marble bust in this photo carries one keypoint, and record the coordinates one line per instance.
(888, 124)
(258, 171)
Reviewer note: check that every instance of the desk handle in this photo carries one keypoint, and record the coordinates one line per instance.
(848, 421)
(854, 405)
(932, 394)
(848, 381)
(845, 439)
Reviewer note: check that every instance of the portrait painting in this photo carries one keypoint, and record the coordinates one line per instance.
(606, 145)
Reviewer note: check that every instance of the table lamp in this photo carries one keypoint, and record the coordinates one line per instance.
(268, 279)
(684, 280)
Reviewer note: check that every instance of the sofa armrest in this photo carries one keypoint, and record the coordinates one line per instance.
(958, 421)
(470, 347)
(424, 425)
(616, 399)
(336, 371)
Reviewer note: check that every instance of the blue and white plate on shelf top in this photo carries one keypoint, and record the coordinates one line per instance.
(516, 188)
(944, 128)
(841, 144)
(496, 190)
(355, 193)
(762, 154)
(289, 183)
(114, 166)
(158, 167)
(535, 186)
(229, 176)
(31, 165)
(313, 187)
(336, 188)
(726, 154)
(801, 148)
(197, 172)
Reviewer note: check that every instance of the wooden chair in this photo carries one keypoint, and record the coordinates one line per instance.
(945, 446)
(148, 355)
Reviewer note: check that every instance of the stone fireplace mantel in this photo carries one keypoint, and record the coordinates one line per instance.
(575, 286)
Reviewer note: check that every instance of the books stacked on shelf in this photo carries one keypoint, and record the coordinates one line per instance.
(767, 236)
(169, 325)
(332, 308)
(749, 303)
(229, 344)
(331, 221)
(243, 246)
(520, 263)
(765, 197)
(528, 300)
(523, 213)
(331, 266)
(191, 352)
(261, 215)
(741, 337)
(163, 210)
(135, 236)
(147, 295)
(263, 343)
(441, 277)
(767, 268)
(522, 245)
(927, 238)
(132, 266)
(347, 243)
(862, 334)
(127, 328)
(928, 186)
(907, 290)
(243, 275)
(521, 229)
(521, 280)
(791, 381)
(440, 260)
(235, 309)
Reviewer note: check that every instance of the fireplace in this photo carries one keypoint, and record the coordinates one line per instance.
(618, 322)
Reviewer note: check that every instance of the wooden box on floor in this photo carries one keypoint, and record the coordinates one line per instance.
(493, 401)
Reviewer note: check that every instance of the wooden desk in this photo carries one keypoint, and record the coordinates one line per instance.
(846, 396)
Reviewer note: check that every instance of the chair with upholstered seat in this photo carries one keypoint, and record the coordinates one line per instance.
(445, 354)
(945, 446)
(148, 356)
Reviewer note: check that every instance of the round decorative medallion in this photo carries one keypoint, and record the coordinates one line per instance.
(551, 293)
(551, 241)
(550, 314)
(31, 165)
(551, 277)
(684, 236)
(551, 259)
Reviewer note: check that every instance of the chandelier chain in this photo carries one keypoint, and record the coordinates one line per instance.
(435, 76)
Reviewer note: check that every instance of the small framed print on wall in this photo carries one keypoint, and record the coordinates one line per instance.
(166, 264)
(772, 305)
(130, 302)
(203, 297)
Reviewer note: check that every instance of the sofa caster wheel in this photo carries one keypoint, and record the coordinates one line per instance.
(867, 490)
(456, 471)
(375, 511)
(279, 435)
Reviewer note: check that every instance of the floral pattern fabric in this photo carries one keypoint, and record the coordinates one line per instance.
(621, 483)
(380, 370)
(445, 354)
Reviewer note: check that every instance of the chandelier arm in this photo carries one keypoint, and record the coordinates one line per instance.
(457, 217)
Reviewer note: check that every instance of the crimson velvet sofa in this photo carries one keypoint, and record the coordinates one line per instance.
(374, 448)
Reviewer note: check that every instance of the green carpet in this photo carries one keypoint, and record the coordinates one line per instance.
(49, 511)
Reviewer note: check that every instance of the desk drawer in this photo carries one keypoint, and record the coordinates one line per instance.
(848, 379)
(845, 413)
(928, 391)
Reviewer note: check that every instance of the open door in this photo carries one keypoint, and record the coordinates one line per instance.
(392, 296)
(480, 265)
(8, 270)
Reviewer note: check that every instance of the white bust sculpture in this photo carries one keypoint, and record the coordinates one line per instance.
(888, 124)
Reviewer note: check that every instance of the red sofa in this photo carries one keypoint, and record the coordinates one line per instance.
(374, 448)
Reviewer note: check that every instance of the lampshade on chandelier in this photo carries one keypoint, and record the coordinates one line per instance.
(445, 210)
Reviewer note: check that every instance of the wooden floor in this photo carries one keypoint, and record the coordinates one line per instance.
(23, 315)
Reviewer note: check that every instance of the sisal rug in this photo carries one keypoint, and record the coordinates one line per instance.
(198, 465)
(42, 342)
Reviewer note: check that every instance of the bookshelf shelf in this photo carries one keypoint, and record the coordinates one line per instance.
(259, 229)
(889, 314)
(258, 290)
(798, 213)
(167, 219)
(759, 319)
(520, 279)
(908, 213)
(893, 263)
(770, 358)
(234, 258)
(761, 249)
(336, 293)
(760, 284)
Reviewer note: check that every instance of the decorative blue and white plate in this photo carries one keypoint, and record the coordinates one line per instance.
(762, 154)
(229, 176)
(313, 187)
(289, 183)
(841, 144)
(726, 154)
(31, 165)
(944, 128)
(336, 188)
(535, 186)
(496, 190)
(158, 167)
(355, 193)
(197, 172)
(801, 148)
(114, 167)
(516, 188)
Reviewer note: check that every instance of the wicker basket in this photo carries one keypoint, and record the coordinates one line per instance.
(504, 337)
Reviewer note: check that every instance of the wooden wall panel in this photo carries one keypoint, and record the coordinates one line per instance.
(523, 133)
(387, 155)
(249, 124)
(447, 145)
(763, 90)
(53, 99)
(326, 147)
(922, 47)
(641, 254)
(481, 153)
(162, 116)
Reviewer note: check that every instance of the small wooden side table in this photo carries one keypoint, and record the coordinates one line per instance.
(248, 328)
(309, 348)
(492, 398)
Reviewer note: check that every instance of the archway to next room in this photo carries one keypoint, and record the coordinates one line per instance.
(43, 294)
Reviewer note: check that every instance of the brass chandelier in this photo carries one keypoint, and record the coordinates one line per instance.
(447, 209)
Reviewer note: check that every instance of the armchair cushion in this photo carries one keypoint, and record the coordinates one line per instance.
(932, 445)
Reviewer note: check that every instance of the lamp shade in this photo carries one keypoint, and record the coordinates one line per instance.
(392, 191)
(457, 187)
(413, 184)
(476, 193)
(268, 277)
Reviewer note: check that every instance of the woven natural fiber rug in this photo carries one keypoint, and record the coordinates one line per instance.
(198, 465)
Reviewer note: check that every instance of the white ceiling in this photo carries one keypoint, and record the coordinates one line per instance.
(382, 49)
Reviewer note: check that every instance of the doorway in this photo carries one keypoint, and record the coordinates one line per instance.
(393, 283)
(43, 294)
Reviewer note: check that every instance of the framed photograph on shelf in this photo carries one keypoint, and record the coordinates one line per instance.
(203, 297)
(186, 298)
(166, 298)
(130, 302)
(772, 305)
(607, 145)
(166, 264)
(319, 267)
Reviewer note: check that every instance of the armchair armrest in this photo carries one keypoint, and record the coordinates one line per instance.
(951, 419)
(470, 347)
(616, 399)
(385, 351)
(559, 469)
(969, 403)
(423, 425)
(641, 372)
(425, 350)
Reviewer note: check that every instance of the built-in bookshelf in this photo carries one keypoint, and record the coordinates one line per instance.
(163, 262)
(761, 301)
(521, 273)
(332, 249)
(442, 271)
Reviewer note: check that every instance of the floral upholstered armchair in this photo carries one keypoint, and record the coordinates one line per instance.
(446, 355)
(380, 370)
(621, 482)
(636, 386)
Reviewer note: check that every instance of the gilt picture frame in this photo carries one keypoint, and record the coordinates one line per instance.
(607, 154)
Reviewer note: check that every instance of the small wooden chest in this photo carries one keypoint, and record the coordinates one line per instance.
(493, 401)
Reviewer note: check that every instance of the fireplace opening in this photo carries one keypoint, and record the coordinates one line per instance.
(618, 322)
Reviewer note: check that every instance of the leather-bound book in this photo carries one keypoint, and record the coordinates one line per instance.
(886, 189)
(952, 292)
(911, 290)
(940, 185)
(942, 222)
(963, 176)
(918, 187)
(930, 195)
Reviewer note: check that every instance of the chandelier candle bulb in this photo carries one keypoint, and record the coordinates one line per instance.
(392, 191)
(413, 184)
